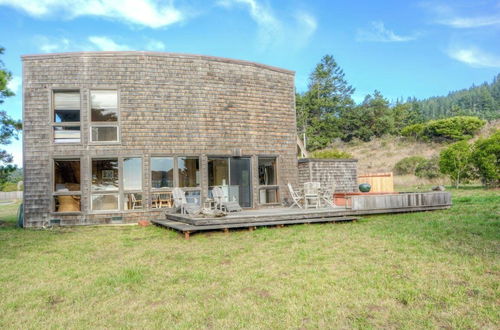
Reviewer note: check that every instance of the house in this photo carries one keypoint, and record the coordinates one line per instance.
(108, 135)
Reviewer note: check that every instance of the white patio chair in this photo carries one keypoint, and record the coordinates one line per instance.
(296, 197)
(222, 203)
(326, 195)
(311, 194)
(181, 202)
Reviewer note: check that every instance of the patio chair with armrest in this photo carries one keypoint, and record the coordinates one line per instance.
(181, 202)
(311, 194)
(297, 198)
(222, 203)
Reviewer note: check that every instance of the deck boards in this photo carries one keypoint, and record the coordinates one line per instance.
(187, 229)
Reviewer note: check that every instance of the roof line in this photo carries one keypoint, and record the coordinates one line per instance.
(159, 54)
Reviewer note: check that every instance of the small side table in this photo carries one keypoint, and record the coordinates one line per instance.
(209, 204)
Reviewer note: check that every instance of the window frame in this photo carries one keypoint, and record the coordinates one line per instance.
(269, 187)
(116, 123)
(121, 190)
(54, 124)
(93, 192)
(65, 193)
(154, 191)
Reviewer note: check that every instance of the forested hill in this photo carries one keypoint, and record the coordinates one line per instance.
(482, 101)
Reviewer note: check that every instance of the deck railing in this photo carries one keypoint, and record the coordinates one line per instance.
(400, 200)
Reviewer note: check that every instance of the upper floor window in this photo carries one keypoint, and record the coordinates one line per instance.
(66, 116)
(104, 116)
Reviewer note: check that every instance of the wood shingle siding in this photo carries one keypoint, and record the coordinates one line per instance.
(170, 104)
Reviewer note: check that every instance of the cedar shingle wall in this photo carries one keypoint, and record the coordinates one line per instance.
(342, 171)
(170, 105)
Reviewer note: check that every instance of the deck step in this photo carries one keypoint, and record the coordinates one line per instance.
(188, 228)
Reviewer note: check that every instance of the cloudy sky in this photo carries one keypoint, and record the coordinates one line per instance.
(402, 48)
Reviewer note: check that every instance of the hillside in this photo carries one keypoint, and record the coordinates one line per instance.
(381, 154)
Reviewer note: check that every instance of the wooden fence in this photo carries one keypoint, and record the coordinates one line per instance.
(380, 182)
(10, 195)
(401, 201)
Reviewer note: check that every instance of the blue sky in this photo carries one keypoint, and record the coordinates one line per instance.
(402, 48)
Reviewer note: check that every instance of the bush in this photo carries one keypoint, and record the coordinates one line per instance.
(428, 169)
(330, 153)
(453, 128)
(445, 130)
(414, 131)
(408, 165)
(486, 158)
(456, 162)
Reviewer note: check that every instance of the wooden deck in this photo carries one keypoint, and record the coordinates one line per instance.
(359, 205)
(188, 229)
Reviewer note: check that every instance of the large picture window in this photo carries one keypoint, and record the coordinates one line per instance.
(66, 116)
(170, 172)
(67, 191)
(104, 116)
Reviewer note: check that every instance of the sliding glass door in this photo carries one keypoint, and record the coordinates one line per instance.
(233, 175)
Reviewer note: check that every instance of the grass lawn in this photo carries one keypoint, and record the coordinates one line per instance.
(420, 270)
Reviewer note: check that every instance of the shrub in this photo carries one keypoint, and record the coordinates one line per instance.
(456, 162)
(330, 153)
(452, 129)
(486, 158)
(414, 131)
(408, 165)
(445, 130)
(428, 169)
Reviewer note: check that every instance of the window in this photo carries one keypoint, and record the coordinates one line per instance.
(67, 191)
(170, 172)
(132, 183)
(268, 189)
(162, 172)
(104, 116)
(189, 171)
(105, 184)
(233, 175)
(66, 116)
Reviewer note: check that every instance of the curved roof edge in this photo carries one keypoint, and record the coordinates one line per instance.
(165, 54)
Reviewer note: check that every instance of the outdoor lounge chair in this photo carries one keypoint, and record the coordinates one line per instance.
(221, 203)
(181, 202)
(296, 197)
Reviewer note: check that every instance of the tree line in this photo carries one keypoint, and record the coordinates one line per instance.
(326, 111)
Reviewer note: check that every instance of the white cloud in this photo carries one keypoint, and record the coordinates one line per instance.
(15, 84)
(150, 13)
(475, 57)
(307, 25)
(155, 45)
(106, 44)
(469, 22)
(273, 31)
(449, 16)
(379, 33)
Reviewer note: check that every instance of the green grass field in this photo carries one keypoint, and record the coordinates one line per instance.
(420, 270)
